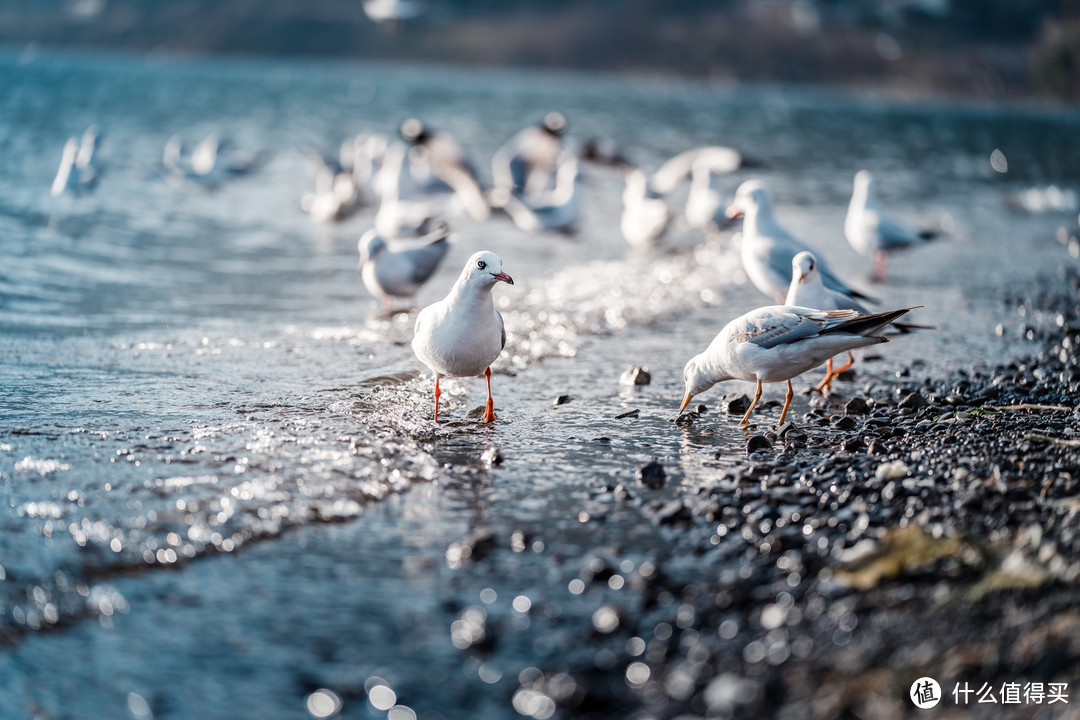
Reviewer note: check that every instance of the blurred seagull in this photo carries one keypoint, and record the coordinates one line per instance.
(402, 272)
(646, 215)
(557, 210)
(528, 162)
(705, 207)
(779, 342)
(388, 13)
(463, 334)
(767, 248)
(334, 196)
(807, 290)
(439, 156)
(399, 215)
(210, 163)
(79, 170)
(874, 234)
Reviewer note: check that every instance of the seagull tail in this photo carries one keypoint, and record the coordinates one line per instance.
(867, 324)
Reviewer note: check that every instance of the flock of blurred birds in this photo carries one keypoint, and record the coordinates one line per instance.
(420, 181)
(424, 179)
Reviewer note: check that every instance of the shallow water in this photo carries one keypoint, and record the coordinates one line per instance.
(221, 489)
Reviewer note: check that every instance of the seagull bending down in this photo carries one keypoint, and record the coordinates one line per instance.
(462, 334)
(778, 342)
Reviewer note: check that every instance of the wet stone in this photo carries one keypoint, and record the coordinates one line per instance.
(856, 406)
(628, 414)
(853, 445)
(652, 475)
(635, 375)
(913, 401)
(757, 443)
(561, 400)
(735, 404)
(843, 422)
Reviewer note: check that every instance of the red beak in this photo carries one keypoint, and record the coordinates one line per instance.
(504, 277)
(733, 213)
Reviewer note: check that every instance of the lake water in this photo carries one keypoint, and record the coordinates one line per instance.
(222, 494)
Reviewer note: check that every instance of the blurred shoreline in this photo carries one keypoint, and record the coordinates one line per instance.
(925, 49)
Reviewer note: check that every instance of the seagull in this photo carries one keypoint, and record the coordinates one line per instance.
(335, 194)
(400, 273)
(646, 215)
(704, 207)
(873, 234)
(528, 162)
(78, 169)
(558, 209)
(807, 290)
(463, 334)
(398, 215)
(767, 248)
(779, 342)
(208, 164)
(362, 155)
(441, 158)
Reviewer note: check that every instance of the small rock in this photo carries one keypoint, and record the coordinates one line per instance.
(652, 475)
(756, 443)
(670, 513)
(851, 445)
(891, 470)
(846, 375)
(635, 375)
(735, 404)
(843, 422)
(914, 401)
(628, 414)
(562, 400)
(856, 406)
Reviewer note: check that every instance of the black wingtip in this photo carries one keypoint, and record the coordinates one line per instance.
(868, 324)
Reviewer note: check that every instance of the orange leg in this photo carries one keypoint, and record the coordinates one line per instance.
(826, 382)
(757, 396)
(787, 402)
(489, 411)
(438, 393)
(842, 368)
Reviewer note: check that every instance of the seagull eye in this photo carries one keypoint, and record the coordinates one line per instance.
(481, 264)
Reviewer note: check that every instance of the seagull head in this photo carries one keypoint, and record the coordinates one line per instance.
(370, 245)
(555, 123)
(752, 194)
(804, 267)
(483, 270)
(698, 379)
(414, 131)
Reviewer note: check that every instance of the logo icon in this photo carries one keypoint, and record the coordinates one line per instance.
(925, 693)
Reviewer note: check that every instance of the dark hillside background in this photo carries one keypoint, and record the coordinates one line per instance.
(971, 47)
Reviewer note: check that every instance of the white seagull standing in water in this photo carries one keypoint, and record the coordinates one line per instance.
(463, 334)
(873, 234)
(388, 273)
(778, 342)
(767, 248)
(645, 216)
